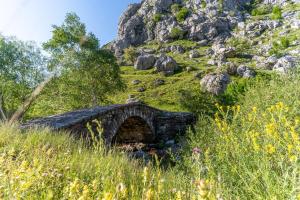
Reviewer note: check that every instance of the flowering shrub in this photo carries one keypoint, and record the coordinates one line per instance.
(254, 154)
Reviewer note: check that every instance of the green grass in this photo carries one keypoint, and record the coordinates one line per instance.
(247, 151)
(164, 96)
(39, 164)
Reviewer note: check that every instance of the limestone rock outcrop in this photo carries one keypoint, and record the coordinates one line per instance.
(215, 83)
(159, 20)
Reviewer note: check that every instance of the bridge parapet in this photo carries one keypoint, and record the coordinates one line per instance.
(133, 122)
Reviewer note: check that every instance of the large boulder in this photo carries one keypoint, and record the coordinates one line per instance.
(255, 29)
(177, 49)
(245, 72)
(215, 83)
(285, 64)
(166, 64)
(145, 62)
(220, 50)
(194, 54)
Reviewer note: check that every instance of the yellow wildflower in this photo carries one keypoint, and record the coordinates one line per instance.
(149, 194)
(270, 149)
(293, 158)
(271, 129)
(108, 196)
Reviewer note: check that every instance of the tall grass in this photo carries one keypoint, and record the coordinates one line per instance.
(252, 150)
(247, 151)
(40, 164)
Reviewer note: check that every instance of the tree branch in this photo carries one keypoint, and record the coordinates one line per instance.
(27, 103)
(2, 114)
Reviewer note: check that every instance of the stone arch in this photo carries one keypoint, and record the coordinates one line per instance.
(134, 129)
(136, 115)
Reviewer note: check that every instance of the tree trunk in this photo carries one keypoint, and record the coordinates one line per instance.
(27, 103)
(2, 114)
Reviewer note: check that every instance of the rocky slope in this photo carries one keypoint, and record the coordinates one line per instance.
(192, 19)
(213, 44)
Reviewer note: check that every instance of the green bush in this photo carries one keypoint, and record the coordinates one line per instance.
(278, 47)
(175, 8)
(276, 13)
(241, 44)
(203, 3)
(177, 34)
(262, 10)
(157, 17)
(198, 102)
(285, 42)
(182, 14)
(254, 145)
(130, 55)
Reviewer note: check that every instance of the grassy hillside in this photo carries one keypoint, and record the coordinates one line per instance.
(248, 151)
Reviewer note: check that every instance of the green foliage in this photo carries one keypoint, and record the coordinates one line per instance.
(276, 13)
(177, 34)
(157, 17)
(175, 8)
(22, 67)
(182, 14)
(220, 5)
(278, 47)
(256, 136)
(86, 72)
(284, 42)
(241, 45)
(130, 55)
(198, 102)
(203, 3)
(256, 141)
(261, 10)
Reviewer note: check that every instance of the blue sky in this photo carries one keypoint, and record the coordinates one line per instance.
(32, 19)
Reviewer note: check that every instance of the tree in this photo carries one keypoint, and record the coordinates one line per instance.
(22, 68)
(87, 73)
(130, 55)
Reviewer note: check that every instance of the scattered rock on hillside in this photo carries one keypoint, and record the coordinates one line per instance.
(194, 54)
(141, 89)
(136, 82)
(177, 49)
(245, 72)
(147, 51)
(285, 64)
(267, 63)
(132, 99)
(202, 43)
(255, 29)
(158, 82)
(166, 64)
(222, 50)
(215, 83)
(189, 69)
(145, 62)
(295, 24)
(295, 52)
(231, 68)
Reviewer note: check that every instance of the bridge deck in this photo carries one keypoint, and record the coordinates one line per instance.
(65, 120)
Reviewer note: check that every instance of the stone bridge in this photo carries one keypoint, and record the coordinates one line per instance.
(128, 123)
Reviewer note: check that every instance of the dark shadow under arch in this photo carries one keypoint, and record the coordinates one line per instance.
(133, 130)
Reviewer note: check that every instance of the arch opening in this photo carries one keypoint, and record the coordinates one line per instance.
(134, 130)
